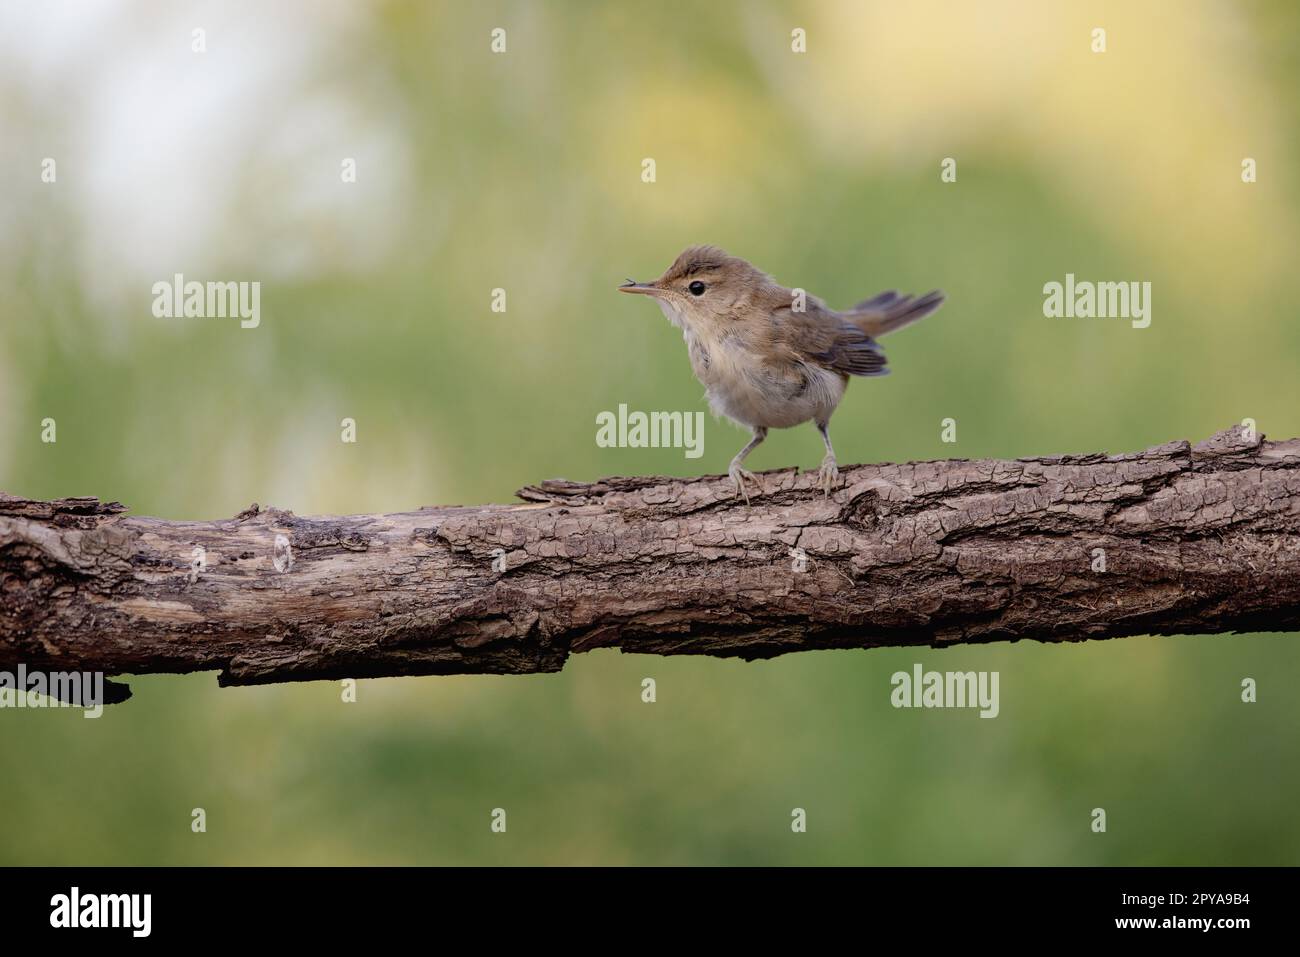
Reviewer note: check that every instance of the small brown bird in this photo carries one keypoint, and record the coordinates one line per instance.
(770, 357)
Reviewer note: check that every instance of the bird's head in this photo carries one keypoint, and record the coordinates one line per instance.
(702, 288)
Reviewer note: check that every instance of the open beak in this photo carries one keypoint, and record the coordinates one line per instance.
(644, 288)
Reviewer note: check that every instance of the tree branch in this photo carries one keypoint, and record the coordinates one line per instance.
(1176, 539)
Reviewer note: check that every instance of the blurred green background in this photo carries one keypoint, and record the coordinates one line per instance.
(522, 171)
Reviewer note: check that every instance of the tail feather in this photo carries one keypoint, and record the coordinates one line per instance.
(889, 311)
(877, 302)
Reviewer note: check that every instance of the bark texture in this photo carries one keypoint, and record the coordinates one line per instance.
(1176, 539)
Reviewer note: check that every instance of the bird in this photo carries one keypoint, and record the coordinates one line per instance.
(771, 357)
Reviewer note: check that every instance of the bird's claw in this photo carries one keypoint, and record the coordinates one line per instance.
(739, 475)
(829, 476)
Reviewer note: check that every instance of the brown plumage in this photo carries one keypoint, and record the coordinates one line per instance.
(768, 356)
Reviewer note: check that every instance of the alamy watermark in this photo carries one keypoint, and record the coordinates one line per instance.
(1082, 299)
(55, 689)
(211, 300)
(946, 689)
(651, 430)
(75, 909)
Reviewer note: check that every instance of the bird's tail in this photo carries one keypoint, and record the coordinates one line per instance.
(889, 311)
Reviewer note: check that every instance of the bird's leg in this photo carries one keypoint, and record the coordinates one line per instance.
(830, 473)
(738, 474)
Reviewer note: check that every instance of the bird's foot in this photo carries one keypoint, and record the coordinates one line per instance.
(829, 476)
(740, 476)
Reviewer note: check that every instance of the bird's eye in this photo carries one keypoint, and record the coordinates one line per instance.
(696, 288)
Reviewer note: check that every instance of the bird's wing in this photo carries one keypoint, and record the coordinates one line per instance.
(819, 336)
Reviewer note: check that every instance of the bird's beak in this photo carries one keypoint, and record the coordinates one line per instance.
(644, 288)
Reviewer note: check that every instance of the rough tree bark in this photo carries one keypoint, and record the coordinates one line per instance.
(1176, 539)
